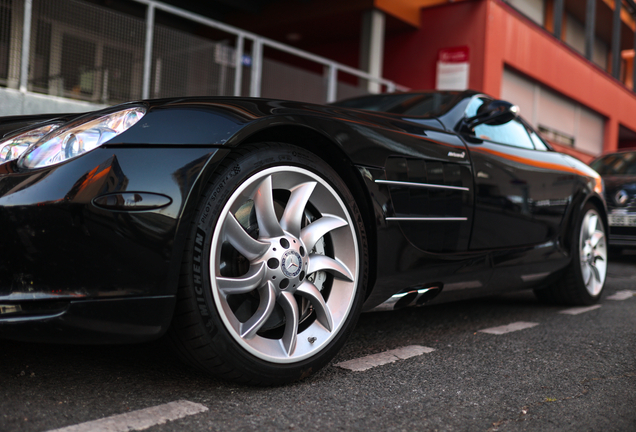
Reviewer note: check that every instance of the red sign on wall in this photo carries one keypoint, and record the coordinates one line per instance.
(453, 68)
(454, 55)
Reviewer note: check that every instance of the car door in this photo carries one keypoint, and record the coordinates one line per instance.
(522, 188)
(432, 197)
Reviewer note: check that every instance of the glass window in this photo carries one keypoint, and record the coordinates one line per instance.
(539, 144)
(431, 104)
(616, 164)
(513, 133)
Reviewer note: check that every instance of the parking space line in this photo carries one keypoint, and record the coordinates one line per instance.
(140, 419)
(579, 310)
(622, 295)
(379, 359)
(515, 326)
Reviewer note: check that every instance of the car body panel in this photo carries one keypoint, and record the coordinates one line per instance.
(77, 232)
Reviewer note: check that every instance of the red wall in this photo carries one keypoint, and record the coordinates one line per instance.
(410, 58)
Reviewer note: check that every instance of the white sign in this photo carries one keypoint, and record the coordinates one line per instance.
(452, 76)
(453, 69)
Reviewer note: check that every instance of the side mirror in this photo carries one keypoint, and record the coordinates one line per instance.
(493, 113)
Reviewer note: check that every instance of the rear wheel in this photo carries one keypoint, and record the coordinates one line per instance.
(273, 278)
(584, 279)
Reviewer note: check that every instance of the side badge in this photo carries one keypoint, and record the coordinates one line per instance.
(457, 155)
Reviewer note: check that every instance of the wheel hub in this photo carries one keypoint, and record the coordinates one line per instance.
(287, 261)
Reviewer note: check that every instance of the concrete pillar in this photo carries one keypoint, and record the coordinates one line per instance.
(26, 45)
(610, 141)
(372, 47)
(150, 31)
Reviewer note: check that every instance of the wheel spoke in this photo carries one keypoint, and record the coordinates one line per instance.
(591, 225)
(265, 214)
(247, 246)
(265, 308)
(586, 273)
(596, 238)
(331, 265)
(317, 229)
(295, 209)
(595, 272)
(290, 307)
(310, 292)
(252, 280)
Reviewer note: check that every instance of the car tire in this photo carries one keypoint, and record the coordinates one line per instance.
(274, 272)
(583, 281)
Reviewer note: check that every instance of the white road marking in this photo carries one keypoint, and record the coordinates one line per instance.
(622, 295)
(515, 326)
(579, 310)
(140, 419)
(379, 359)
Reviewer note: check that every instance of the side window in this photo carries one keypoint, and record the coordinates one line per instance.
(513, 133)
(538, 142)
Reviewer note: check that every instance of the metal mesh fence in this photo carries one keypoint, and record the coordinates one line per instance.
(11, 18)
(188, 65)
(348, 90)
(288, 82)
(284, 81)
(88, 52)
(85, 52)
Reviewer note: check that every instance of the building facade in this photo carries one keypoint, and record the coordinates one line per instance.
(568, 64)
(571, 90)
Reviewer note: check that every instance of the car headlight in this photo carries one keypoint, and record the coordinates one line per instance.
(12, 147)
(78, 137)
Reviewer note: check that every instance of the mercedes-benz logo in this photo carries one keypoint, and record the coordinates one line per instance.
(621, 197)
(291, 264)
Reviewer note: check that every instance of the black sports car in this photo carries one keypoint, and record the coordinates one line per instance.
(618, 171)
(253, 232)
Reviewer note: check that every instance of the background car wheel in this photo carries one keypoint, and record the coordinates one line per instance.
(584, 279)
(274, 272)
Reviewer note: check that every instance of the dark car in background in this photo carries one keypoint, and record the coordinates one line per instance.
(618, 171)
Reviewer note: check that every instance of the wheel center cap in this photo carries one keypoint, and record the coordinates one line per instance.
(291, 264)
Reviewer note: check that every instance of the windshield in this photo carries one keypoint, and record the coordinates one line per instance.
(616, 164)
(431, 104)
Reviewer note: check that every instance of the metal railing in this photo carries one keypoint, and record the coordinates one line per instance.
(82, 53)
(258, 43)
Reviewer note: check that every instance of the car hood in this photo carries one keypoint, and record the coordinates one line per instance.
(627, 182)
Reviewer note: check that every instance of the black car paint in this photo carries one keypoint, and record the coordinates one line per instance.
(85, 273)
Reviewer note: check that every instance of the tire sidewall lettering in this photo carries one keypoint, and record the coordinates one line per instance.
(220, 189)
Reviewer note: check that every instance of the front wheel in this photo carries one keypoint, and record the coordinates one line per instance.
(584, 279)
(274, 274)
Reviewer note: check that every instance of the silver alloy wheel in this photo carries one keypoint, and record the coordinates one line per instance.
(593, 252)
(281, 258)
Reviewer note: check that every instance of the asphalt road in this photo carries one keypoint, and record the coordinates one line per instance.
(569, 372)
